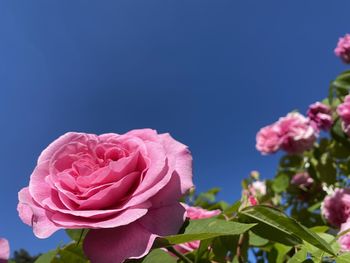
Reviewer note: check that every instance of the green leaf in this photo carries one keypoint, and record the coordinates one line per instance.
(280, 183)
(202, 229)
(339, 135)
(221, 245)
(257, 241)
(282, 250)
(203, 249)
(71, 253)
(158, 255)
(77, 234)
(291, 161)
(299, 257)
(343, 258)
(47, 257)
(326, 169)
(271, 219)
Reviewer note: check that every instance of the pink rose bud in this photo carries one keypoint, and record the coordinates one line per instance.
(253, 201)
(336, 207)
(194, 213)
(268, 139)
(124, 188)
(320, 116)
(343, 111)
(343, 49)
(4, 250)
(344, 240)
(297, 133)
(302, 180)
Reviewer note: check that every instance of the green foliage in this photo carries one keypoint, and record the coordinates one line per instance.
(203, 229)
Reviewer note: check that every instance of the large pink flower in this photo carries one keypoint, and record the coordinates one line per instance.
(193, 213)
(343, 111)
(125, 188)
(297, 133)
(4, 250)
(343, 48)
(268, 139)
(344, 240)
(336, 207)
(320, 115)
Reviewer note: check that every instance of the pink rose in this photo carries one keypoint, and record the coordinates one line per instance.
(302, 180)
(194, 213)
(268, 139)
(343, 111)
(343, 48)
(4, 250)
(293, 133)
(320, 116)
(124, 188)
(297, 133)
(336, 207)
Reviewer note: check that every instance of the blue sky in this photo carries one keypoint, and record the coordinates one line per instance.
(209, 72)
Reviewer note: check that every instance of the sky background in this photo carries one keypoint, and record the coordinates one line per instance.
(209, 72)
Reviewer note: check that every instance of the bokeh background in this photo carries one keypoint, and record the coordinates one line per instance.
(209, 72)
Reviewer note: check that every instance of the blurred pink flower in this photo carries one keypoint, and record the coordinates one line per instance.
(343, 111)
(302, 180)
(343, 48)
(320, 116)
(194, 213)
(344, 240)
(336, 207)
(4, 250)
(268, 139)
(257, 188)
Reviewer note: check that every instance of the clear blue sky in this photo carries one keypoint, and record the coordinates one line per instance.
(209, 72)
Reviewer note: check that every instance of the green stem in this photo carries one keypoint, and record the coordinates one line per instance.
(179, 255)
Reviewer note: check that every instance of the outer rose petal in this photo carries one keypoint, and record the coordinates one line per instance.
(134, 240)
(114, 245)
(4, 250)
(183, 160)
(166, 220)
(34, 215)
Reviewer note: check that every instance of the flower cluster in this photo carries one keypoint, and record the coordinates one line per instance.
(295, 133)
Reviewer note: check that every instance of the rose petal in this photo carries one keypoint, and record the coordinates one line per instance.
(182, 160)
(115, 220)
(114, 245)
(166, 220)
(63, 140)
(35, 215)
